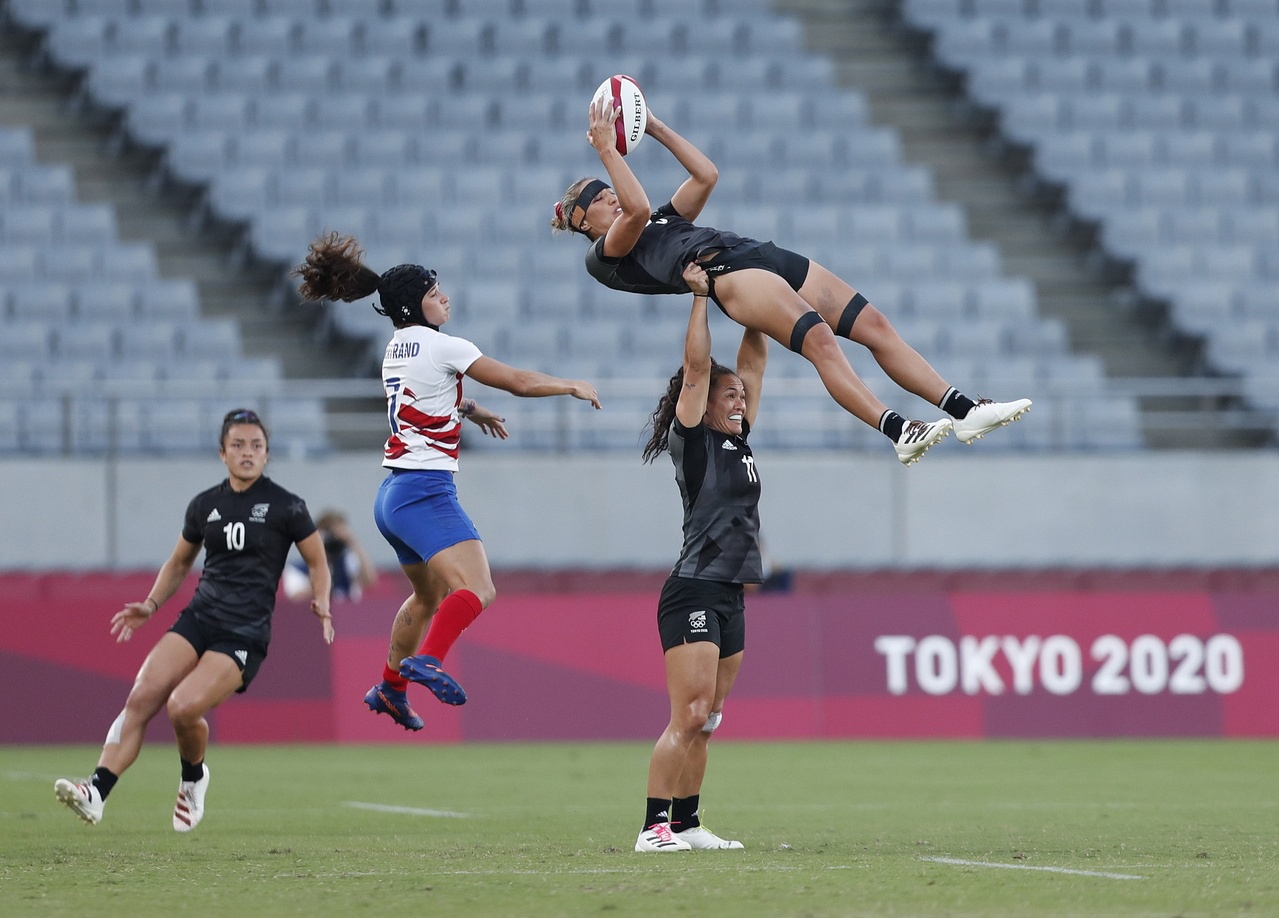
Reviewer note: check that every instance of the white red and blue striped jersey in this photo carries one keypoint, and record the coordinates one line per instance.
(422, 375)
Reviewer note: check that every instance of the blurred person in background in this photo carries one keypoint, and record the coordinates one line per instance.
(246, 525)
(350, 568)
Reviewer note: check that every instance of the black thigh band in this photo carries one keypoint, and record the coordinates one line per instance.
(802, 325)
(851, 312)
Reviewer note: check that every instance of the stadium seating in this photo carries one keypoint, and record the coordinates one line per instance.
(1159, 120)
(64, 338)
(446, 137)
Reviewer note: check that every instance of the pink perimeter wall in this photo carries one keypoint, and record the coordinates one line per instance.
(576, 657)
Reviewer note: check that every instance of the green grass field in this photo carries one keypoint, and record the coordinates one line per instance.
(929, 828)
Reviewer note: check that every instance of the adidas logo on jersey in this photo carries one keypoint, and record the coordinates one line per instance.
(243, 657)
(728, 444)
(214, 516)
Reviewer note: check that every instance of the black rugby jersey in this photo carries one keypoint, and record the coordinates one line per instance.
(656, 264)
(246, 537)
(719, 485)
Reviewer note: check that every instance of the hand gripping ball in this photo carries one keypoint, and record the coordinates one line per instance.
(626, 95)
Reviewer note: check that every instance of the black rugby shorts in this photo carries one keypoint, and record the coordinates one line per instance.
(690, 611)
(248, 656)
(764, 256)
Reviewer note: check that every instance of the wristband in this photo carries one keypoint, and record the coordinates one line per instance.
(153, 603)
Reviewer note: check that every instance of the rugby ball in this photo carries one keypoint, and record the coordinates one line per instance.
(626, 95)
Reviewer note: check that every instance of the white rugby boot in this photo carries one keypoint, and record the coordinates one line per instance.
(918, 436)
(700, 838)
(189, 809)
(659, 837)
(82, 798)
(986, 415)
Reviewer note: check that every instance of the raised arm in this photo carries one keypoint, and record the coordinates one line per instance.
(626, 229)
(691, 406)
(752, 355)
(690, 197)
(528, 383)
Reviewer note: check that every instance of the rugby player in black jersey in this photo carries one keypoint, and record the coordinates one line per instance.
(793, 300)
(246, 525)
(703, 421)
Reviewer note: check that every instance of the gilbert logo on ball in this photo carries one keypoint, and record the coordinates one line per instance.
(626, 95)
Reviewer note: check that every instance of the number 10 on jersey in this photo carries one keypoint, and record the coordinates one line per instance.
(234, 536)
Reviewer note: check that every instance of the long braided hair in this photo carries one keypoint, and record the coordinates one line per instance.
(664, 413)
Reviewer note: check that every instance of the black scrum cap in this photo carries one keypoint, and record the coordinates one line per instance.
(400, 291)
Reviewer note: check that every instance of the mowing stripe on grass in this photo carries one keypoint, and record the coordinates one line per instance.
(1080, 873)
(407, 810)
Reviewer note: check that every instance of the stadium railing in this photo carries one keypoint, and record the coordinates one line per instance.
(1061, 421)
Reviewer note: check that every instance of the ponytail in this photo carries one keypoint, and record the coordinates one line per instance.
(334, 270)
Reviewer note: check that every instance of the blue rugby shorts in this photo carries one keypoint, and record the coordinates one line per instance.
(417, 512)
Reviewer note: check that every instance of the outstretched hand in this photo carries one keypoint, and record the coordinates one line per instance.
(487, 421)
(586, 392)
(129, 619)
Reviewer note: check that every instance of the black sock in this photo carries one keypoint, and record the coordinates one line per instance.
(955, 403)
(103, 779)
(891, 425)
(659, 810)
(684, 813)
(192, 772)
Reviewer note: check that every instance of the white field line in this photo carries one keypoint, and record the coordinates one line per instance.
(722, 867)
(1078, 873)
(407, 810)
(637, 870)
(30, 776)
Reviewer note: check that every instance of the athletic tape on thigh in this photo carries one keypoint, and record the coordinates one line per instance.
(806, 321)
(850, 314)
(712, 722)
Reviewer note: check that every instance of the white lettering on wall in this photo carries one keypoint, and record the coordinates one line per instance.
(1148, 665)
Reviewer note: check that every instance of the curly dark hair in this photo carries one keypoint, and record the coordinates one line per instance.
(334, 270)
(664, 413)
